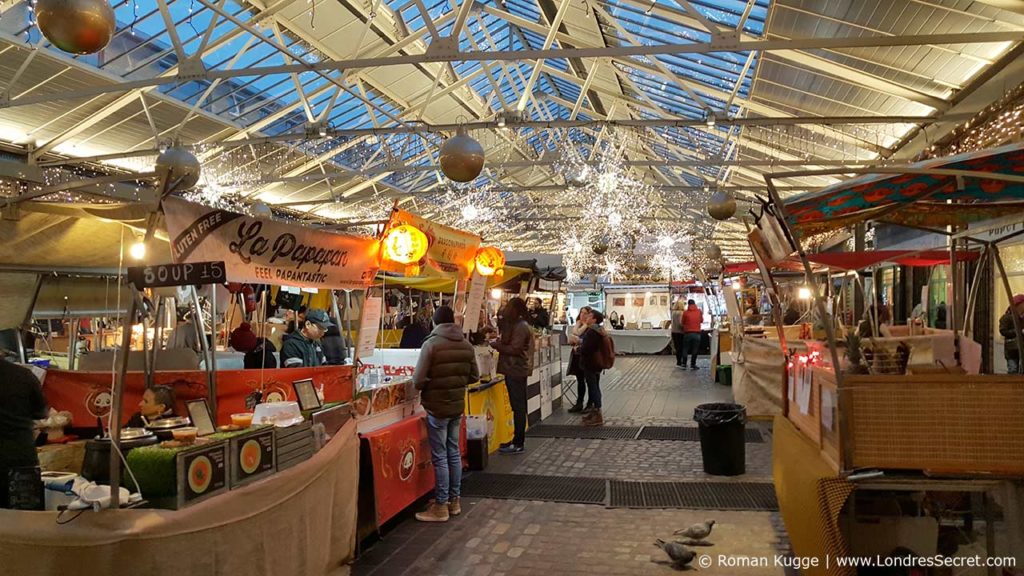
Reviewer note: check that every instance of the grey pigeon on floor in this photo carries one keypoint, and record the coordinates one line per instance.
(692, 542)
(679, 554)
(697, 531)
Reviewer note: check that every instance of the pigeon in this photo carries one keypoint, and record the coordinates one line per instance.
(697, 531)
(679, 554)
(692, 542)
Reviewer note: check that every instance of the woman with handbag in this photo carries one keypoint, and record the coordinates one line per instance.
(575, 367)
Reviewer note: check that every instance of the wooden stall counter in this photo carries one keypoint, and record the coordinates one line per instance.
(299, 522)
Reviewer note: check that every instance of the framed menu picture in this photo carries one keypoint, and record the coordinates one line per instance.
(619, 301)
(199, 413)
(305, 393)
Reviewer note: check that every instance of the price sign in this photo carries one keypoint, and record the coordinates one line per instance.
(159, 275)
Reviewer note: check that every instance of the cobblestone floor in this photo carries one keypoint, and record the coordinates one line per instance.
(512, 538)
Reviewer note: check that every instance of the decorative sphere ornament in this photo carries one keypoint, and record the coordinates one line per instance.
(722, 205)
(76, 26)
(462, 157)
(261, 210)
(182, 167)
(714, 251)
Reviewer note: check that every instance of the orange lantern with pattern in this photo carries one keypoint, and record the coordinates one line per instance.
(489, 260)
(405, 244)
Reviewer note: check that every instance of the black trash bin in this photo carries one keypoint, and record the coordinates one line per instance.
(722, 443)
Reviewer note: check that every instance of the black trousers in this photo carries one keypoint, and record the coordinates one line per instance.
(678, 342)
(516, 386)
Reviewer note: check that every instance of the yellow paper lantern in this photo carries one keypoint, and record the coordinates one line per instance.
(489, 260)
(405, 244)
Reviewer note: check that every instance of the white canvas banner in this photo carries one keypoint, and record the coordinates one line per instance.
(261, 251)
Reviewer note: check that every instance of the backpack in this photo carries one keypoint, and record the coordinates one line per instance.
(605, 357)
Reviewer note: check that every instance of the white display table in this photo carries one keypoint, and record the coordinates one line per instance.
(640, 341)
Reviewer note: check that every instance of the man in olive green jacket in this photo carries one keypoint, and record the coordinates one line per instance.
(447, 364)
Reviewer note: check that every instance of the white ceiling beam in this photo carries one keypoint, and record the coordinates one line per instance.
(548, 41)
(787, 47)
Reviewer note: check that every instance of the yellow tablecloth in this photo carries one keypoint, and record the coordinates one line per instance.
(490, 399)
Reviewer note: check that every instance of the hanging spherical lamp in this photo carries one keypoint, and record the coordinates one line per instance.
(261, 210)
(714, 252)
(182, 168)
(601, 246)
(722, 205)
(405, 244)
(76, 26)
(489, 260)
(462, 157)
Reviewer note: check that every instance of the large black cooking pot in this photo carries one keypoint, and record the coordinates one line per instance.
(96, 465)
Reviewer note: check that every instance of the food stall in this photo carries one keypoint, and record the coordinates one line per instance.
(235, 479)
(866, 436)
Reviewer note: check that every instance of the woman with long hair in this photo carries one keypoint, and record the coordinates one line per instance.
(514, 346)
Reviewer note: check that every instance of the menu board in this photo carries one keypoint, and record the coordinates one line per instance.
(252, 456)
(474, 303)
(202, 472)
(369, 326)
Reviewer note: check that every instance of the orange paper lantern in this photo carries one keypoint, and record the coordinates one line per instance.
(489, 260)
(405, 244)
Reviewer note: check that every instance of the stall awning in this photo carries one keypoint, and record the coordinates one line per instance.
(918, 196)
(446, 285)
(862, 260)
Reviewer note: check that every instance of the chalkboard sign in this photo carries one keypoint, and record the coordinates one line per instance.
(189, 274)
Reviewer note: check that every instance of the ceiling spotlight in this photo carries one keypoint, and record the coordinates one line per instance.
(650, 8)
(501, 120)
(323, 130)
(709, 117)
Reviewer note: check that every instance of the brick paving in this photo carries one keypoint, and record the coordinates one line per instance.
(511, 538)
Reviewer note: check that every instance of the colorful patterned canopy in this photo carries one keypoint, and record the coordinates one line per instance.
(917, 199)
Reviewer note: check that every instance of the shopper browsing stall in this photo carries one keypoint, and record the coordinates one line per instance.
(21, 403)
(538, 316)
(575, 366)
(592, 351)
(302, 348)
(692, 318)
(1008, 330)
(446, 366)
(678, 339)
(513, 346)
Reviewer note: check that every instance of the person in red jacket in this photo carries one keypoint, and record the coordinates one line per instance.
(692, 319)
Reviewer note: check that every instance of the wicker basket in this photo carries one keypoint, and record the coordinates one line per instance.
(936, 422)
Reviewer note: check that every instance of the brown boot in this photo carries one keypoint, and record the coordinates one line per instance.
(455, 506)
(434, 513)
(594, 418)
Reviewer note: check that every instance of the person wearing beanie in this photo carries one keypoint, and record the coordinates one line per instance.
(243, 339)
(446, 366)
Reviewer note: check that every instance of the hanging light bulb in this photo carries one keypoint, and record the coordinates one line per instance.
(470, 212)
(138, 249)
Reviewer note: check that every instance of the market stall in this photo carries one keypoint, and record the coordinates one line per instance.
(216, 482)
(875, 420)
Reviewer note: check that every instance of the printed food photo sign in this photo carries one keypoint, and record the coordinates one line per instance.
(261, 251)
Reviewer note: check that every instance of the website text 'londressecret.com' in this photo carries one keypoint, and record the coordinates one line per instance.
(804, 562)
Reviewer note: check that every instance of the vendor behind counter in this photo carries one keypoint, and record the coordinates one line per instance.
(157, 403)
(21, 403)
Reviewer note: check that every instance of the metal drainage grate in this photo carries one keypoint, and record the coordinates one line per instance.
(689, 434)
(583, 432)
(695, 495)
(544, 488)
